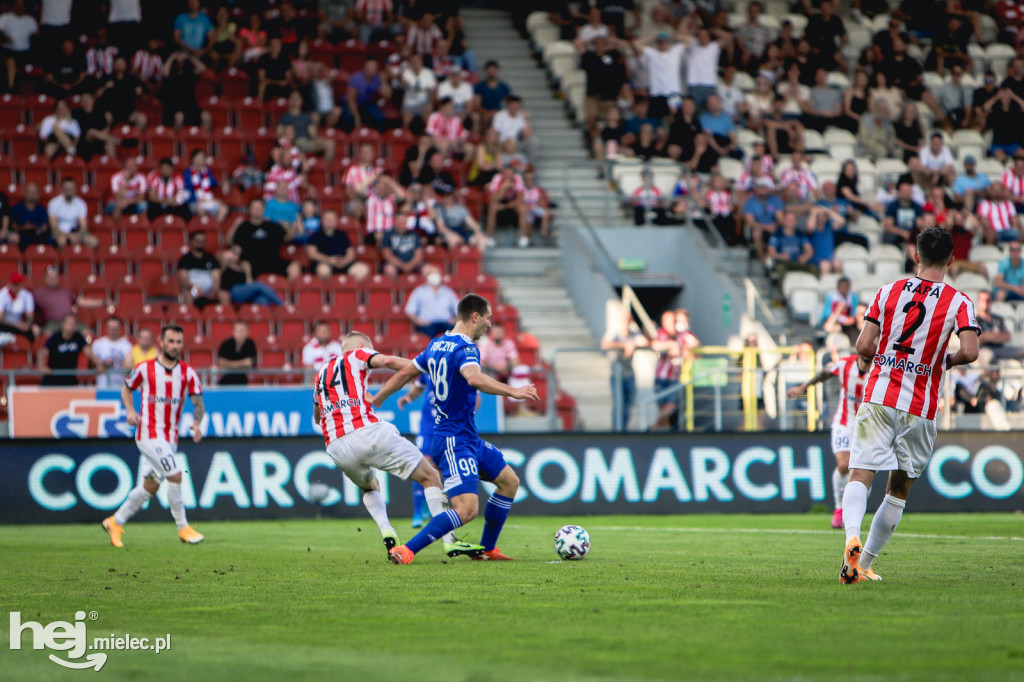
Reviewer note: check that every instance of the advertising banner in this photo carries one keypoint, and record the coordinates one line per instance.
(257, 478)
(230, 412)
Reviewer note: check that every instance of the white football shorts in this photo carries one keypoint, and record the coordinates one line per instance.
(842, 438)
(158, 458)
(377, 446)
(888, 439)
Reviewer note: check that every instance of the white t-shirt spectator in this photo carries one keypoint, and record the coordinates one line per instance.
(702, 64)
(509, 127)
(14, 308)
(935, 162)
(665, 70)
(105, 349)
(125, 10)
(588, 32)
(419, 86)
(460, 94)
(67, 213)
(314, 354)
(56, 13)
(19, 30)
(69, 126)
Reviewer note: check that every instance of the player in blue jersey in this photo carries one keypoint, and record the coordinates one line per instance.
(452, 365)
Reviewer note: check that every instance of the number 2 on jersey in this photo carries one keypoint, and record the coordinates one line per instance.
(909, 328)
(438, 371)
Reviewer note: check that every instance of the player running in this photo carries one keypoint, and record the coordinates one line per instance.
(165, 382)
(358, 441)
(452, 364)
(905, 335)
(851, 393)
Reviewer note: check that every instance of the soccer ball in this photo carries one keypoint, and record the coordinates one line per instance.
(572, 542)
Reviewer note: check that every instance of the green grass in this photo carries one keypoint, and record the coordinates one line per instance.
(667, 597)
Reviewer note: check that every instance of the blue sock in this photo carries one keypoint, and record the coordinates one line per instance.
(419, 502)
(495, 514)
(435, 530)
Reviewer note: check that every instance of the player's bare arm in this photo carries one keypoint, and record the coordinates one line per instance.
(821, 377)
(129, 406)
(415, 392)
(481, 382)
(867, 345)
(199, 410)
(968, 352)
(381, 361)
(400, 379)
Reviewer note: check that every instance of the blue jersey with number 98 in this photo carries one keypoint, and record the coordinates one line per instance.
(454, 399)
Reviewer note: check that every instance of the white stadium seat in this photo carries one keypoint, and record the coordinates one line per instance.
(805, 304)
(798, 280)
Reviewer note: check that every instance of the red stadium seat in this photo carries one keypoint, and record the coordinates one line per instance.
(261, 141)
(102, 169)
(39, 107)
(194, 138)
(162, 142)
(130, 295)
(508, 316)
(344, 292)
(436, 256)
(396, 324)
(10, 262)
(351, 55)
(206, 86)
(35, 168)
(295, 254)
(380, 293)
(68, 166)
(201, 355)
(149, 318)
(23, 141)
(38, 257)
(291, 321)
(529, 348)
(310, 297)
(364, 320)
(114, 263)
(361, 136)
(397, 142)
(273, 110)
(249, 115)
(323, 51)
(466, 261)
(94, 287)
(368, 255)
(230, 145)
(79, 262)
(482, 285)
(16, 358)
(151, 262)
(234, 84)
(12, 110)
(8, 170)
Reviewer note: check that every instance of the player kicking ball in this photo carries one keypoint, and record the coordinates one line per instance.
(851, 393)
(906, 333)
(165, 382)
(359, 442)
(452, 365)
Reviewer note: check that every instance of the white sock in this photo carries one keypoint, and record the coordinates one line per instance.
(437, 503)
(839, 482)
(374, 503)
(176, 503)
(887, 518)
(136, 498)
(855, 504)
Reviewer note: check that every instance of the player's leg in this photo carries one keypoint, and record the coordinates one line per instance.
(419, 502)
(493, 467)
(428, 477)
(349, 453)
(137, 498)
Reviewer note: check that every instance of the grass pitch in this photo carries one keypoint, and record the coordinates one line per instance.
(666, 598)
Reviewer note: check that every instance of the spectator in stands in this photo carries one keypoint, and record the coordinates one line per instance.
(937, 161)
(418, 85)
(998, 215)
(1004, 112)
(282, 210)
(254, 39)
(260, 241)
(801, 177)
(143, 349)
(94, 124)
(902, 216)
(995, 337)
(365, 89)
(128, 190)
(166, 193)
(61, 352)
(790, 250)
(490, 94)
(1013, 180)
(29, 220)
(235, 355)
(18, 29)
(66, 76)
(605, 67)
(457, 218)
(783, 133)
(225, 45)
(7, 234)
(505, 202)
(321, 97)
(331, 252)
(824, 104)
(111, 351)
(382, 199)
(237, 286)
(359, 179)
(55, 21)
(401, 250)
(423, 34)
(68, 215)
(17, 307)
(375, 19)
(498, 353)
(273, 72)
(307, 135)
(855, 100)
(839, 312)
(118, 93)
(309, 222)
(719, 128)
(663, 63)
(761, 214)
(321, 347)
(512, 123)
(198, 272)
(199, 183)
(1008, 284)
(446, 131)
(53, 301)
(432, 306)
(537, 206)
(148, 64)
(826, 35)
(1014, 80)
(970, 185)
(192, 30)
(909, 136)
(876, 134)
(822, 225)
(752, 37)
(459, 91)
(178, 92)
(954, 99)
(59, 132)
(647, 201)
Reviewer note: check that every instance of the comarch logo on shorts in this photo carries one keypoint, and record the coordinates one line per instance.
(72, 638)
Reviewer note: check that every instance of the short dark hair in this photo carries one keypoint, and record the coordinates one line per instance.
(472, 303)
(935, 246)
(171, 328)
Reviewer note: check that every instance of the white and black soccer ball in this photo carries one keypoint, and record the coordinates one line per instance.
(572, 542)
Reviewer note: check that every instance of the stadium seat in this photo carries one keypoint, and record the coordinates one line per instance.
(114, 263)
(38, 257)
(379, 294)
(249, 114)
(529, 349)
(221, 112)
(363, 320)
(162, 142)
(231, 146)
(10, 262)
(39, 107)
(79, 262)
(95, 286)
(798, 280)
(436, 256)
(887, 261)
(361, 136)
(22, 141)
(395, 323)
(467, 261)
(35, 168)
(68, 166)
(234, 84)
(130, 295)
(291, 322)
(805, 304)
(194, 138)
(152, 262)
(12, 110)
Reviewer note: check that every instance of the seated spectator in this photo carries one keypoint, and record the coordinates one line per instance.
(608, 138)
(253, 38)
(192, 30)
(99, 58)
(423, 34)
(458, 90)
(938, 161)
(647, 201)
(901, 216)
(1009, 281)
(117, 95)
(1013, 180)
(53, 301)
(307, 136)
(321, 347)
(66, 76)
(143, 349)
(949, 46)
(282, 210)
(970, 185)
(827, 36)
(198, 273)
(457, 218)
(822, 224)
(446, 131)
(321, 97)
(512, 123)
(839, 312)
(359, 177)
(287, 169)
(225, 45)
(876, 135)
(128, 190)
(954, 98)
(505, 203)
(59, 132)
(537, 206)
(801, 177)
(761, 215)
(790, 250)
(824, 105)
(753, 36)
(166, 192)
(111, 351)
(490, 93)
(235, 355)
(1004, 111)
(832, 201)
(17, 28)
(68, 215)
(995, 337)
(717, 202)
(977, 391)
(485, 161)
(401, 250)
(237, 286)
(382, 200)
(432, 306)
(95, 126)
(309, 222)
(59, 355)
(498, 353)
(17, 308)
(720, 129)
(178, 92)
(782, 132)
(433, 174)
(421, 218)
(998, 215)
(259, 241)
(30, 223)
(331, 253)
(199, 183)
(375, 20)
(148, 64)
(754, 171)
(418, 86)
(365, 90)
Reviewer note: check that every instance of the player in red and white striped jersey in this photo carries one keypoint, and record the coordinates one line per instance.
(165, 382)
(904, 340)
(851, 394)
(359, 442)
